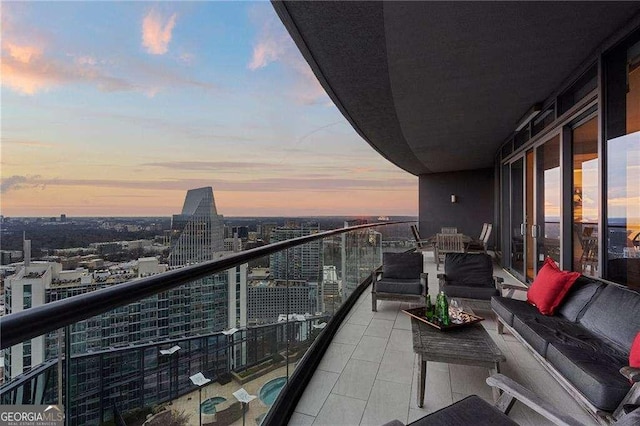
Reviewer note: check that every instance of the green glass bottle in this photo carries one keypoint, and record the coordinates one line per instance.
(437, 315)
(444, 309)
(428, 310)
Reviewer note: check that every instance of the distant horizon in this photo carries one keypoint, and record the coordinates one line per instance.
(225, 216)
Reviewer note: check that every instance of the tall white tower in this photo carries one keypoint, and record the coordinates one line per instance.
(196, 233)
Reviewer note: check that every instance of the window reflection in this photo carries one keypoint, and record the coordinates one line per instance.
(548, 158)
(623, 185)
(585, 198)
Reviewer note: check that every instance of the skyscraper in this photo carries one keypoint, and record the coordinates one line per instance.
(300, 262)
(196, 233)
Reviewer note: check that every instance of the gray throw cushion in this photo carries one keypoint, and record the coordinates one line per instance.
(614, 314)
(541, 330)
(578, 297)
(472, 410)
(469, 292)
(505, 307)
(399, 286)
(595, 374)
(402, 265)
(469, 269)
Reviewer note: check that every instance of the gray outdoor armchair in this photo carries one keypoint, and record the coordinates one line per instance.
(402, 278)
(469, 277)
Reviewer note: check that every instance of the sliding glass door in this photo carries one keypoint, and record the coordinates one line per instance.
(517, 226)
(586, 200)
(534, 209)
(547, 229)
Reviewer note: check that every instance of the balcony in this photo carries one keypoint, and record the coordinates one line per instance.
(143, 365)
(369, 374)
(365, 373)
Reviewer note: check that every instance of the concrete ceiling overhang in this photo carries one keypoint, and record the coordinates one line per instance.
(438, 86)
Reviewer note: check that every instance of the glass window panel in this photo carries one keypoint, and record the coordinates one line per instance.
(585, 198)
(549, 200)
(623, 184)
(517, 216)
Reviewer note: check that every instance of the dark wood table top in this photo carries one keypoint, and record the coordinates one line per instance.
(470, 345)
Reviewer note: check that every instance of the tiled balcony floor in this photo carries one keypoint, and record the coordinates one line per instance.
(369, 374)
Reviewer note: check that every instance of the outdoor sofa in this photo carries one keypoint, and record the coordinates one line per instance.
(585, 345)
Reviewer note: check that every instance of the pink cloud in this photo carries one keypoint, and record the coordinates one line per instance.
(31, 62)
(22, 68)
(27, 70)
(157, 32)
(270, 48)
(23, 53)
(274, 44)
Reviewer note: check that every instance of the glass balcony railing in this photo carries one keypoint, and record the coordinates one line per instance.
(182, 344)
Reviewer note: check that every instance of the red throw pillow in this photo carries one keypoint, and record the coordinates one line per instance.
(550, 287)
(634, 355)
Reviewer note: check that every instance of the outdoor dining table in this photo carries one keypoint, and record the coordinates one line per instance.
(465, 239)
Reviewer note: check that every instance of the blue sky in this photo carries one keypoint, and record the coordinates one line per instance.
(120, 107)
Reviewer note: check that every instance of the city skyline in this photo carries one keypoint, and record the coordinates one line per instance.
(116, 109)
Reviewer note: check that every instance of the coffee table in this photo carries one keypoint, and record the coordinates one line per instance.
(471, 345)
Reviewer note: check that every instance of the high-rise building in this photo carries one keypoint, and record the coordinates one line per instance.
(295, 272)
(300, 262)
(361, 253)
(196, 233)
(241, 232)
(331, 289)
(264, 230)
(267, 300)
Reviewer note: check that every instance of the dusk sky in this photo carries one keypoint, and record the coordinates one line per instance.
(113, 108)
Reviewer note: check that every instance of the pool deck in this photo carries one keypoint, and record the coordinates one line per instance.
(189, 402)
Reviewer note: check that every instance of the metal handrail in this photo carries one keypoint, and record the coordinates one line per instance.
(20, 326)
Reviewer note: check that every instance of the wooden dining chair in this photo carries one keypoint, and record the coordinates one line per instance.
(483, 232)
(482, 243)
(421, 244)
(448, 230)
(447, 243)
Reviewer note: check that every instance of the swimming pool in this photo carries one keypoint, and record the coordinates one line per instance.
(208, 406)
(270, 390)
